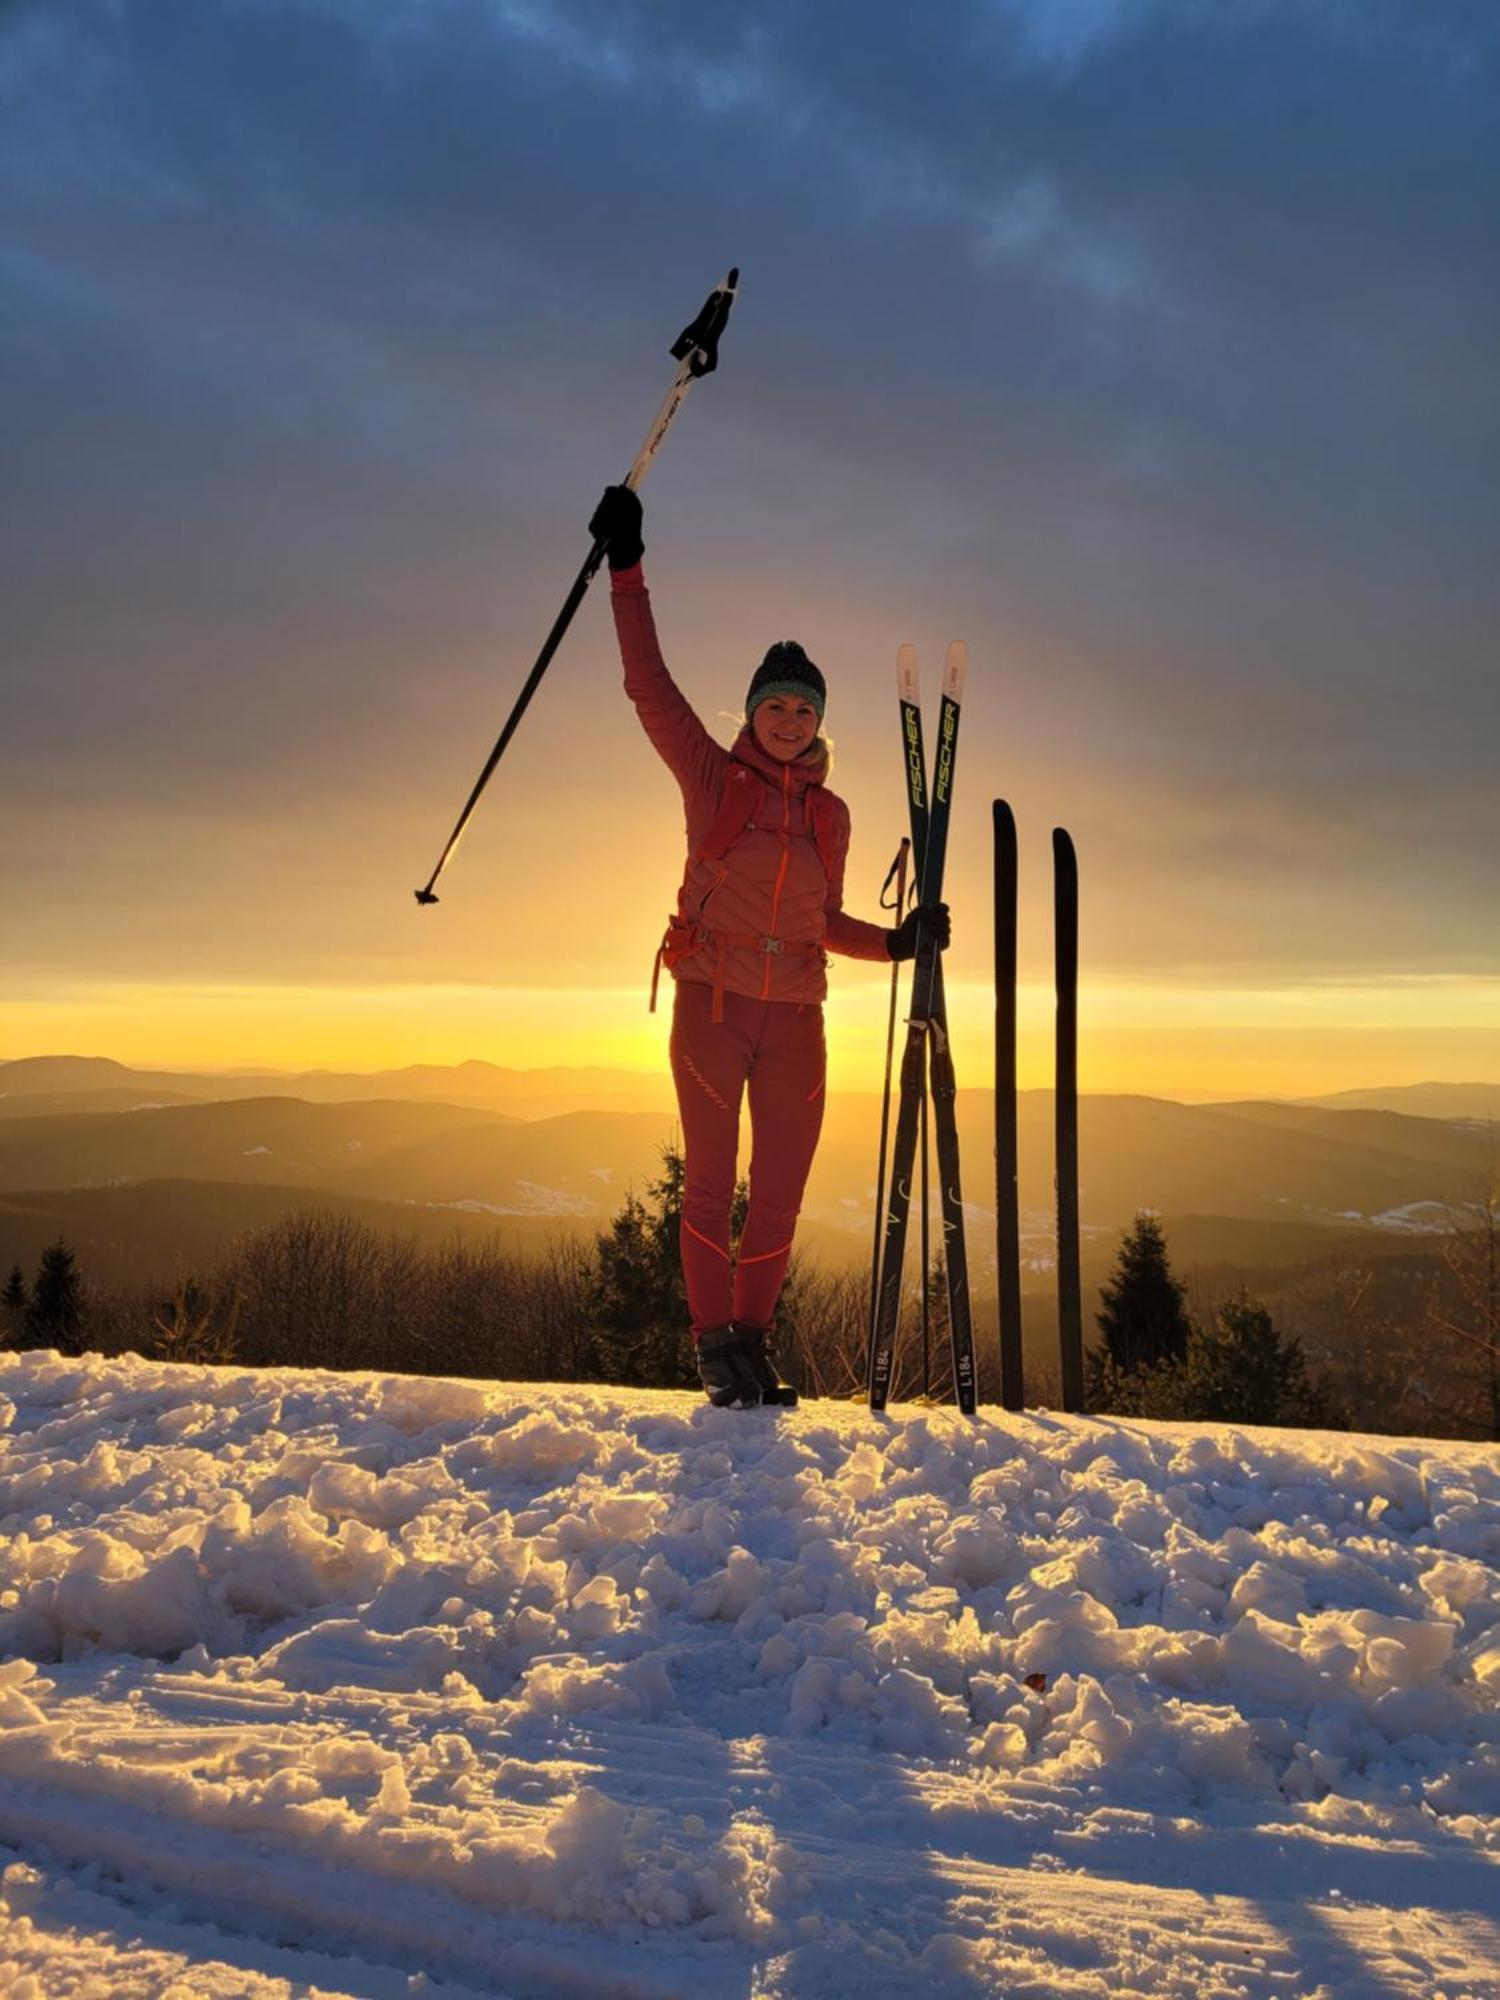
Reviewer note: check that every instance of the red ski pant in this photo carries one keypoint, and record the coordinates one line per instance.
(776, 1048)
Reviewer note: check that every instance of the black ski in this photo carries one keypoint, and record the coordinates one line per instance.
(1007, 1190)
(1069, 1293)
(944, 1083)
(926, 1035)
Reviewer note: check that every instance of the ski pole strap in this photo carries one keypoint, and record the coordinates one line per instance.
(896, 873)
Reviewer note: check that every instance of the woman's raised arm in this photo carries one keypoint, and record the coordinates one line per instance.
(679, 738)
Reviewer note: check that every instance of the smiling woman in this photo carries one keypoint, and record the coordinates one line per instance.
(760, 908)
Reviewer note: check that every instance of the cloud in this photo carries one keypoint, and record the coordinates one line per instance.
(1151, 346)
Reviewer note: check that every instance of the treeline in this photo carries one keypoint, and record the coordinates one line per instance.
(320, 1289)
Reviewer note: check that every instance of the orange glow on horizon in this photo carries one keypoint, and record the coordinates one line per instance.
(1133, 1036)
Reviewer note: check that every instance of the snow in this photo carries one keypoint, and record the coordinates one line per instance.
(364, 1685)
(534, 1200)
(1422, 1218)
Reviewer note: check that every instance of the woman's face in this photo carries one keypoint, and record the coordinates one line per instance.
(784, 725)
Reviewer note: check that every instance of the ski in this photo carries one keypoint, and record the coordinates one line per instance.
(895, 1196)
(1007, 1190)
(926, 1040)
(944, 1084)
(1069, 1293)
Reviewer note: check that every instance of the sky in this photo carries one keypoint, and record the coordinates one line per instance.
(1150, 346)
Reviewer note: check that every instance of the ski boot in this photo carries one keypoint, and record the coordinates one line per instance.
(755, 1353)
(725, 1371)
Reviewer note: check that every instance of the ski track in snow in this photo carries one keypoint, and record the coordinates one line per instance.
(370, 1686)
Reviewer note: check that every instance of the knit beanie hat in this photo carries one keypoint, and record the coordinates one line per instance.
(786, 669)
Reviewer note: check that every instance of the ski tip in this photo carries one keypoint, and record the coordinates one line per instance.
(906, 673)
(732, 282)
(955, 667)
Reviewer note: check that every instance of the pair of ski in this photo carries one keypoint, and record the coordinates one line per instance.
(927, 1055)
(1065, 1113)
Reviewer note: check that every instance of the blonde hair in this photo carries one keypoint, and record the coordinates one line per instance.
(741, 721)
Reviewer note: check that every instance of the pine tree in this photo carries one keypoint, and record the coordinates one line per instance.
(639, 1304)
(1243, 1370)
(1239, 1370)
(12, 1306)
(1144, 1320)
(54, 1317)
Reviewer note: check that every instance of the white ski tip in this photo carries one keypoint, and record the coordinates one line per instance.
(907, 685)
(954, 669)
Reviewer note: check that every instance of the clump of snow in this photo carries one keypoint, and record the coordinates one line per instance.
(614, 1662)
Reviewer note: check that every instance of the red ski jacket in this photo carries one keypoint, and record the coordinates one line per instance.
(762, 901)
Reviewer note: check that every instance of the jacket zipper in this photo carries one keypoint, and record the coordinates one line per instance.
(786, 855)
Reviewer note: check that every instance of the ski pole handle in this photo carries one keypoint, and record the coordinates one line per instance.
(696, 349)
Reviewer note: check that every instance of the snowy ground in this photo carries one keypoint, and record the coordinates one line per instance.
(329, 1685)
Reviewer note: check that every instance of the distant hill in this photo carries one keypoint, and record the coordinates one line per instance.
(36, 1086)
(264, 1139)
(139, 1234)
(1266, 1162)
(1420, 1100)
(1257, 1176)
(1261, 1162)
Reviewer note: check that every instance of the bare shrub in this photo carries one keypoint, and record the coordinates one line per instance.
(193, 1328)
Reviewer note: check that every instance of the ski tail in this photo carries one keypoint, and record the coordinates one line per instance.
(1007, 1187)
(1069, 1291)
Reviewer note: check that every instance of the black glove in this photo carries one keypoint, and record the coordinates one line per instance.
(617, 521)
(928, 918)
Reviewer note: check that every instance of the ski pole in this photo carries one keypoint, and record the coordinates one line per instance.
(696, 351)
(925, 1149)
(895, 873)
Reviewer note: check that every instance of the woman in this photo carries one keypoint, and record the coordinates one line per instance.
(760, 907)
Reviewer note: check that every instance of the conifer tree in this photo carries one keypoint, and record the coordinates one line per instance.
(1243, 1370)
(1144, 1320)
(54, 1318)
(13, 1305)
(639, 1304)
(1239, 1370)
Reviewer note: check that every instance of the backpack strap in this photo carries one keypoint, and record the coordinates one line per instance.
(739, 802)
(823, 823)
(743, 795)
